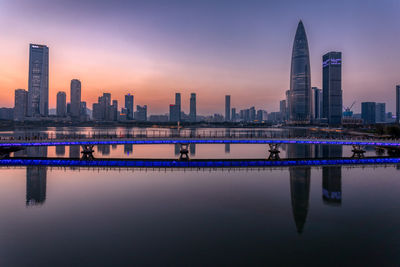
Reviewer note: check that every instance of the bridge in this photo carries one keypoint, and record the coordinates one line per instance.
(197, 163)
(115, 140)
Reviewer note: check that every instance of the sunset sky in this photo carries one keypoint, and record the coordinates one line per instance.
(211, 47)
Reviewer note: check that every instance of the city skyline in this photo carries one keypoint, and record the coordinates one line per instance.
(204, 63)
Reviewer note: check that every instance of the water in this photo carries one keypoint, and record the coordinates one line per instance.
(117, 217)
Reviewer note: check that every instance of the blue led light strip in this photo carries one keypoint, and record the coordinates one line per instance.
(160, 163)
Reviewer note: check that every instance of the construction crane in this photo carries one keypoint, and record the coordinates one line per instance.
(347, 111)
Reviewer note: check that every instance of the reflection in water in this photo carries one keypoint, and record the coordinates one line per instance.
(192, 148)
(299, 185)
(227, 148)
(177, 149)
(74, 151)
(300, 194)
(36, 177)
(35, 185)
(60, 150)
(332, 177)
(128, 149)
(104, 149)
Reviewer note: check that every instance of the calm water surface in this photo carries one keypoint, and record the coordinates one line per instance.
(118, 217)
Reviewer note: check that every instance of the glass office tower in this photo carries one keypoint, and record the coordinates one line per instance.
(38, 83)
(300, 79)
(332, 87)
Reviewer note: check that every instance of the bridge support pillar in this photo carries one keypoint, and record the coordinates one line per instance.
(184, 152)
(274, 152)
(358, 151)
(87, 152)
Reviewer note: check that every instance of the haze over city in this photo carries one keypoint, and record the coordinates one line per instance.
(154, 49)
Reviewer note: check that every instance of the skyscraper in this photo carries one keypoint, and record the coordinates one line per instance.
(141, 113)
(75, 98)
(20, 104)
(38, 82)
(380, 113)
(300, 79)
(129, 106)
(332, 87)
(227, 108)
(368, 112)
(398, 103)
(317, 105)
(192, 113)
(61, 104)
(178, 104)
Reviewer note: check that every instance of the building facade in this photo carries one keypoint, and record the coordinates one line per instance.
(61, 104)
(193, 111)
(141, 113)
(300, 79)
(75, 98)
(332, 87)
(380, 113)
(227, 108)
(317, 102)
(20, 104)
(129, 104)
(368, 112)
(398, 103)
(178, 104)
(38, 81)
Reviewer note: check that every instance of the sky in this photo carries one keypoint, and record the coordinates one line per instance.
(153, 49)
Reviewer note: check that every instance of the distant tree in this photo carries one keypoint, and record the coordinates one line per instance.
(394, 130)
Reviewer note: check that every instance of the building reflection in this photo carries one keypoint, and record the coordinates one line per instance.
(299, 185)
(227, 148)
(177, 149)
(36, 177)
(60, 150)
(103, 149)
(192, 149)
(128, 149)
(332, 177)
(74, 152)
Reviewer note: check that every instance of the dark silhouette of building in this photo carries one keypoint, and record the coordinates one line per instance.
(193, 112)
(332, 87)
(227, 108)
(20, 104)
(300, 79)
(36, 177)
(61, 104)
(129, 104)
(299, 185)
(398, 103)
(332, 177)
(368, 112)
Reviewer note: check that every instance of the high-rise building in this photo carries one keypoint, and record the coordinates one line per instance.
(317, 102)
(398, 103)
(61, 104)
(129, 106)
(368, 112)
(75, 98)
(380, 113)
(227, 108)
(300, 79)
(20, 104)
(173, 113)
(141, 113)
(38, 82)
(282, 109)
(178, 104)
(252, 114)
(332, 87)
(192, 113)
(233, 115)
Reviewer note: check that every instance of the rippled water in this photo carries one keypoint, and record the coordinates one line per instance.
(114, 217)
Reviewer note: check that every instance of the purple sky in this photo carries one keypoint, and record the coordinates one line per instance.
(156, 48)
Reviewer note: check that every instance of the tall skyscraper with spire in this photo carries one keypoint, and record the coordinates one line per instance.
(300, 79)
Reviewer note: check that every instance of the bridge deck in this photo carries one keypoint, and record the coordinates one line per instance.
(195, 163)
(188, 140)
